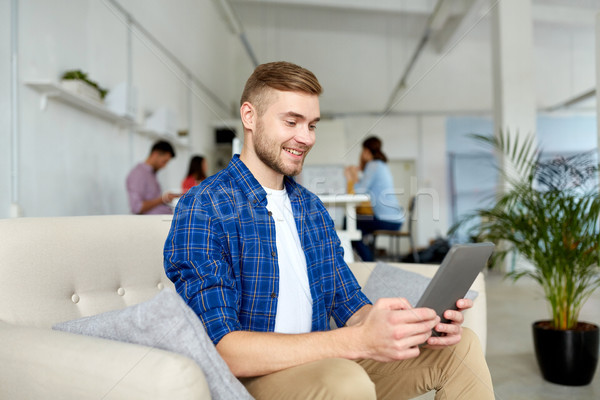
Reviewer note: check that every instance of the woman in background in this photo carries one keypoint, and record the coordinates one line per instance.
(377, 181)
(196, 173)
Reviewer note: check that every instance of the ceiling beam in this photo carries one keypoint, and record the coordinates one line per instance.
(459, 26)
(385, 6)
(572, 101)
(401, 85)
(237, 29)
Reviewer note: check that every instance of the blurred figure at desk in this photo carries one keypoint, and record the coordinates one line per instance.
(376, 180)
(143, 189)
(196, 173)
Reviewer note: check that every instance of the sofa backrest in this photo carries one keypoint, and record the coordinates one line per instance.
(56, 269)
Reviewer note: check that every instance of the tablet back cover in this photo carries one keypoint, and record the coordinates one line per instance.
(455, 276)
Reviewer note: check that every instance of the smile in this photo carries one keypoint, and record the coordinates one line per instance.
(294, 152)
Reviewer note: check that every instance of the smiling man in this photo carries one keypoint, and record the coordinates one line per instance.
(257, 257)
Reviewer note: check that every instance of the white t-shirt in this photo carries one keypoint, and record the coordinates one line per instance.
(294, 305)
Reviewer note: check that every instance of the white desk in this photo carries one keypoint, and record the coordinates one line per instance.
(349, 202)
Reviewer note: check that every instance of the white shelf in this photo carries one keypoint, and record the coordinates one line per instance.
(55, 91)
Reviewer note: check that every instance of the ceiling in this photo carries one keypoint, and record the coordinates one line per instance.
(408, 56)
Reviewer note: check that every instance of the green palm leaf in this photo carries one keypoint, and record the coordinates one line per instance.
(549, 219)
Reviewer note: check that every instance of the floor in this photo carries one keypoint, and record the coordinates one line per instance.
(512, 308)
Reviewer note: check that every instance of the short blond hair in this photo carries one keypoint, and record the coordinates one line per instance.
(280, 75)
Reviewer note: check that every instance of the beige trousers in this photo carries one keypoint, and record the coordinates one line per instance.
(456, 372)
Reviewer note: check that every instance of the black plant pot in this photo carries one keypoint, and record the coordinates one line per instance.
(566, 357)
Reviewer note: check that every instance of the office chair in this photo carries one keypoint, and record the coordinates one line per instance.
(396, 236)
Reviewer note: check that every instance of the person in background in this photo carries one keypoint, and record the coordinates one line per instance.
(257, 257)
(143, 189)
(196, 173)
(378, 182)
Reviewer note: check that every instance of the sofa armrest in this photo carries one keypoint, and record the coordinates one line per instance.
(42, 363)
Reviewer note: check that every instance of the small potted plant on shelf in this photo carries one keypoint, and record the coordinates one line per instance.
(78, 82)
(549, 215)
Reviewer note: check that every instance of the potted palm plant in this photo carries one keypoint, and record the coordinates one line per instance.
(549, 215)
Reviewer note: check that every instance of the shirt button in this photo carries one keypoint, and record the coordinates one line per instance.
(273, 254)
(273, 295)
(270, 214)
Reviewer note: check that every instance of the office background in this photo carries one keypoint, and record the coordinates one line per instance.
(187, 61)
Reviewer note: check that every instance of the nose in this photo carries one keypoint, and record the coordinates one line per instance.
(306, 136)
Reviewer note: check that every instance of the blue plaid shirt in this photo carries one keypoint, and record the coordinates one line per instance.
(221, 253)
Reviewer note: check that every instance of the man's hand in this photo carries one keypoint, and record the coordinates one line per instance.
(392, 330)
(450, 334)
(168, 197)
(387, 331)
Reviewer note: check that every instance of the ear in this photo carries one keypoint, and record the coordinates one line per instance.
(249, 116)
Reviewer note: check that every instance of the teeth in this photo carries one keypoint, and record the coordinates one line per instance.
(294, 152)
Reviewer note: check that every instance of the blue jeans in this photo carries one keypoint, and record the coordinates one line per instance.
(367, 226)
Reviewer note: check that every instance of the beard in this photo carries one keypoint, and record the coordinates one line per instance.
(268, 151)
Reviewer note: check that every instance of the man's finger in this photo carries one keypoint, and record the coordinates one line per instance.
(463, 304)
(454, 316)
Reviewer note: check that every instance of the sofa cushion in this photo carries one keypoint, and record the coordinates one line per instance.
(389, 281)
(164, 322)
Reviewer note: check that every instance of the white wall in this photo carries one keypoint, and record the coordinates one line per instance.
(571, 54)
(433, 195)
(330, 144)
(5, 142)
(456, 80)
(74, 163)
(597, 74)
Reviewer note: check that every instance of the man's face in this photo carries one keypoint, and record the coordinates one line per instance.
(159, 160)
(285, 132)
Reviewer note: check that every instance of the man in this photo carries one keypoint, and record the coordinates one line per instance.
(143, 189)
(257, 257)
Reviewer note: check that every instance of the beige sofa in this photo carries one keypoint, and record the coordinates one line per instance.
(57, 269)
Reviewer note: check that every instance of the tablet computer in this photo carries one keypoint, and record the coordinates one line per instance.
(455, 276)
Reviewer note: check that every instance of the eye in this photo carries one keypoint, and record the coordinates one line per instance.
(312, 127)
(290, 123)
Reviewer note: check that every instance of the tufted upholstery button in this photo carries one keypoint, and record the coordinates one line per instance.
(75, 298)
(160, 286)
(120, 291)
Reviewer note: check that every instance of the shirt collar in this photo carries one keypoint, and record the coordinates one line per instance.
(250, 186)
(148, 167)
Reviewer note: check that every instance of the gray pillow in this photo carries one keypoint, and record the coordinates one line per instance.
(389, 281)
(164, 322)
